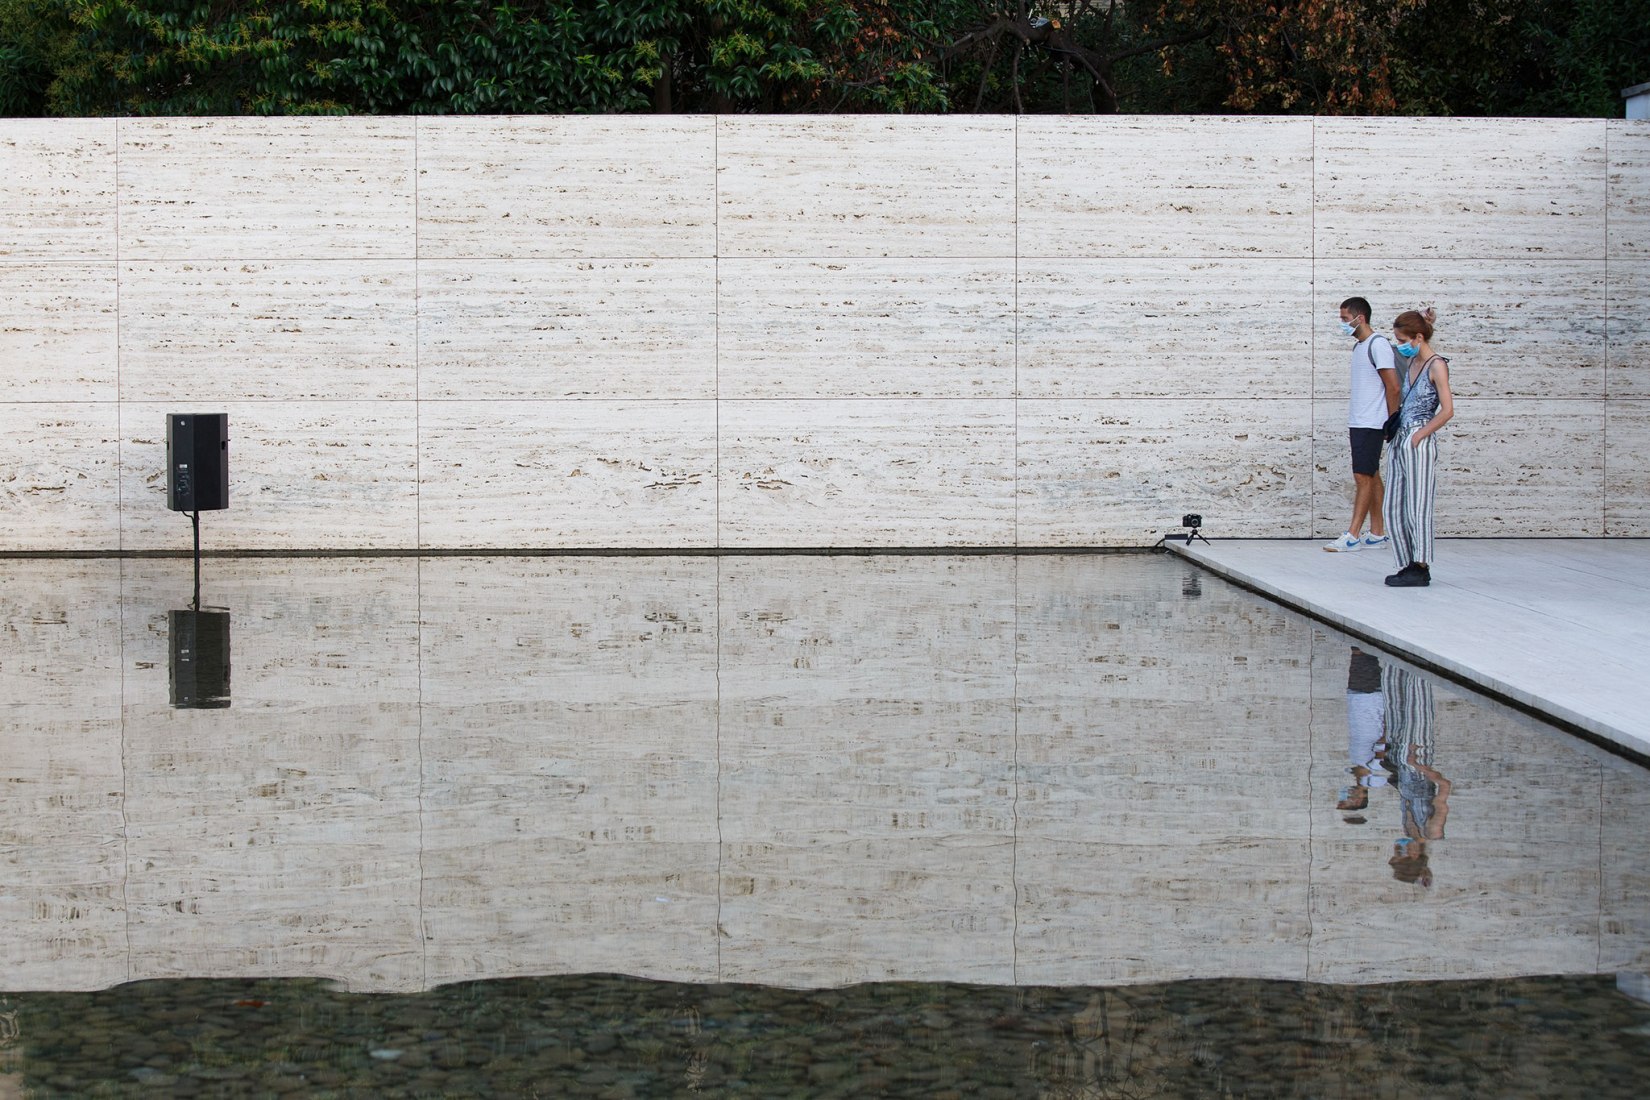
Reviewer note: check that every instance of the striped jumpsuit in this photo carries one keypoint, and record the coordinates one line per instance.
(1408, 715)
(1412, 473)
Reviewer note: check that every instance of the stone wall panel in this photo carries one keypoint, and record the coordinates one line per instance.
(1522, 469)
(865, 185)
(58, 179)
(866, 328)
(540, 186)
(60, 476)
(1627, 374)
(266, 188)
(1123, 472)
(1156, 186)
(1508, 469)
(58, 325)
(867, 473)
(1125, 328)
(1490, 188)
(268, 331)
(535, 329)
(1628, 188)
(1627, 470)
(567, 474)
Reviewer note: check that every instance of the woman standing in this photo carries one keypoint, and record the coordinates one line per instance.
(1412, 481)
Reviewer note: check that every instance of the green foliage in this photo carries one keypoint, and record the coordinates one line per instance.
(1195, 84)
(1589, 53)
(1540, 58)
(20, 82)
(473, 57)
(28, 43)
(198, 57)
(187, 57)
(178, 57)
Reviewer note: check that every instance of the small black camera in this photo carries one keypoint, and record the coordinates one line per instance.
(1191, 519)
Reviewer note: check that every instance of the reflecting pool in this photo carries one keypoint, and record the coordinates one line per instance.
(1017, 792)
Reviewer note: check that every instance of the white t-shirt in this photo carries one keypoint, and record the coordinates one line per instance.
(1365, 716)
(1368, 406)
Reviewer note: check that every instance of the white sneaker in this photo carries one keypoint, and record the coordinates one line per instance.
(1347, 543)
(1370, 542)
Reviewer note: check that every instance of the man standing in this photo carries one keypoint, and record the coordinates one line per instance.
(1374, 397)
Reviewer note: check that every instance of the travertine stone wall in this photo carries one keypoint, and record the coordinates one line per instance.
(750, 331)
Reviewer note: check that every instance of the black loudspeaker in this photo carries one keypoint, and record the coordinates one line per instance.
(197, 462)
(200, 659)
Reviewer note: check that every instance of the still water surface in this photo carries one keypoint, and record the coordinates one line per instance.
(1097, 826)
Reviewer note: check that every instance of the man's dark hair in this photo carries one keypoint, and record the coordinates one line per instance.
(1359, 307)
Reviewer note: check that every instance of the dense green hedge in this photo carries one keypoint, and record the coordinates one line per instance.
(175, 57)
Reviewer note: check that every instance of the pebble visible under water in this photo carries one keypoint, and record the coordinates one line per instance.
(616, 1037)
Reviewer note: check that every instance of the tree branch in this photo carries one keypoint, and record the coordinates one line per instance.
(985, 76)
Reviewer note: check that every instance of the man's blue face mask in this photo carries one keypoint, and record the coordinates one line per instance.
(1347, 329)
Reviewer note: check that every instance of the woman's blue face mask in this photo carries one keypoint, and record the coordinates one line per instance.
(1407, 350)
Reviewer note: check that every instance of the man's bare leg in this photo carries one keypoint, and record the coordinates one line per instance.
(1367, 497)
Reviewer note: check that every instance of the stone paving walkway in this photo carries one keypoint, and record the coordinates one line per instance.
(1558, 625)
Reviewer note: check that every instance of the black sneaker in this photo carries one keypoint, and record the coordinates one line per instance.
(1410, 576)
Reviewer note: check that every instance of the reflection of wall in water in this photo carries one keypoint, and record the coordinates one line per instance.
(61, 760)
(1524, 822)
(1035, 770)
(1162, 753)
(569, 748)
(867, 794)
(280, 836)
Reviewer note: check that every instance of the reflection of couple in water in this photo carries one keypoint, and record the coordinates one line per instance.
(1389, 744)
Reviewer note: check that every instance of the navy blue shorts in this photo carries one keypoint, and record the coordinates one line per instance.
(1366, 450)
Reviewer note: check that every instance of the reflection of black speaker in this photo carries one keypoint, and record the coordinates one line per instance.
(197, 461)
(200, 658)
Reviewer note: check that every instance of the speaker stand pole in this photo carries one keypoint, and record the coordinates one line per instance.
(195, 519)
